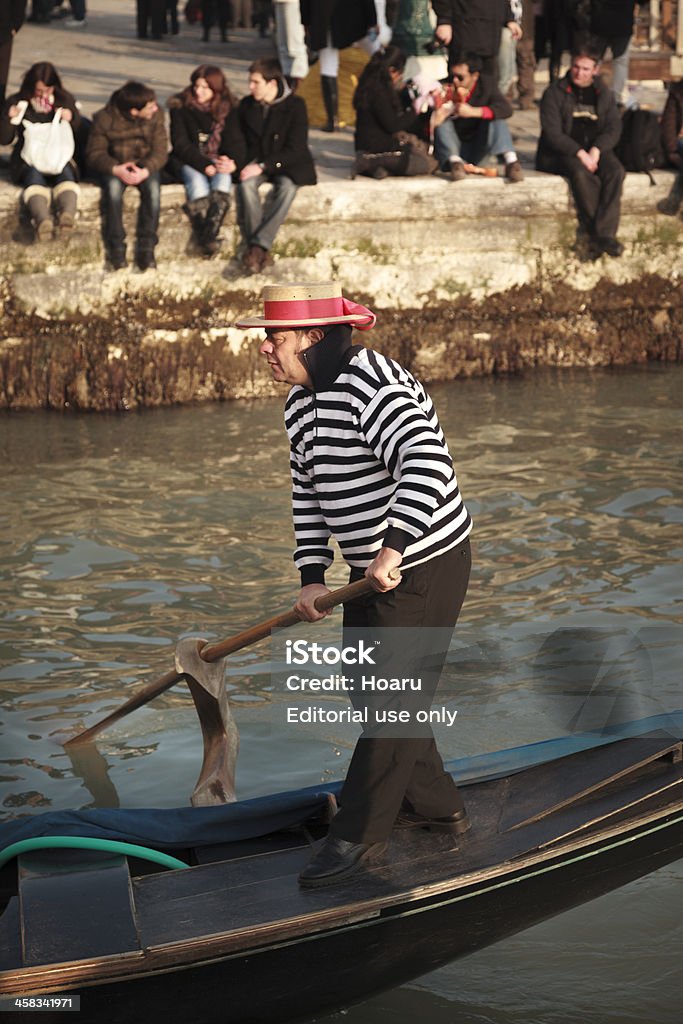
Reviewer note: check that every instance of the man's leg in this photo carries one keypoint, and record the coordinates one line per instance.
(275, 209)
(621, 49)
(499, 143)
(249, 211)
(611, 179)
(291, 44)
(113, 231)
(586, 192)
(148, 221)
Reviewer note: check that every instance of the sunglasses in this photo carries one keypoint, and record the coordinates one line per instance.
(460, 78)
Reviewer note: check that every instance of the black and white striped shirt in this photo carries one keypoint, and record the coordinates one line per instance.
(370, 467)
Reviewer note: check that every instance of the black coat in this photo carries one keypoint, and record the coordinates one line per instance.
(345, 20)
(12, 14)
(276, 135)
(10, 132)
(611, 19)
(190, 128)
(557, 113)
(383, 115)
(477, 24)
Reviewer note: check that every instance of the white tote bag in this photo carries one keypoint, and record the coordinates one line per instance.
(48, 147)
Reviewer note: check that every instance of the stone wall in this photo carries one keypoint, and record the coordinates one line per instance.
(472, 278)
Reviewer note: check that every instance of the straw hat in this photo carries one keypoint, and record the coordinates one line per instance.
(308, 305)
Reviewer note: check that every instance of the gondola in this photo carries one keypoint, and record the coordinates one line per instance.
(233, 937)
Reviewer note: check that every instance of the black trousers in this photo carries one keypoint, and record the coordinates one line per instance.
(385, 773)
(151, 14)
(597, 196)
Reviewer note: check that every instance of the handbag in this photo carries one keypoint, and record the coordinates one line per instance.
(420, 160)
(48, 146)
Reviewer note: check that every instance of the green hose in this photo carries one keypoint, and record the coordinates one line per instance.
(84, 843)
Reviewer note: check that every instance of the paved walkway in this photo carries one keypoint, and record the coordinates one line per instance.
(95, 60)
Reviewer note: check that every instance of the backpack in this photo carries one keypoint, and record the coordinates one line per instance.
(640, 145)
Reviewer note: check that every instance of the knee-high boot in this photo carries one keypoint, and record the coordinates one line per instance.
(37, 200)
(66, 202)
(671, 205)
(218, 207)
(379, 165)
(196, 210)
(331, 101)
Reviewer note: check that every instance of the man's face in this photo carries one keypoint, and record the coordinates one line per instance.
(259, 87)
(463, 77)
(147, 112)
(281, 350)
(583, 71)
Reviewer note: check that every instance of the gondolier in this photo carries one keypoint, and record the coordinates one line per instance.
(371, 469)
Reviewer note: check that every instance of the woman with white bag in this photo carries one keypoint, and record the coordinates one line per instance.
(42, 118)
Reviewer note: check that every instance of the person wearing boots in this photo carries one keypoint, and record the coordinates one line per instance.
(215, 12)
(39, 98)
(380, 114)
(331, 26)
(371, 469)
(275, 128)
(672, 144)
(207, 150)
(128, 146)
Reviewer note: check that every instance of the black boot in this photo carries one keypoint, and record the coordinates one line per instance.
(331, 101)
(196, 210)
(671, 205)
(218, 207)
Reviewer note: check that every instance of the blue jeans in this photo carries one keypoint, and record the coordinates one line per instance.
(34, 177)
(490, 138)
(148, 213)
(197, 185)
(260, 225)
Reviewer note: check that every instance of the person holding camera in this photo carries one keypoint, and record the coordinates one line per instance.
(470, 124)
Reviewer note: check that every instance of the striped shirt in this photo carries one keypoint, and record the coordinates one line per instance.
(370, 467)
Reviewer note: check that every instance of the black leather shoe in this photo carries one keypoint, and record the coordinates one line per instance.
(611, 247)
(336, 860)
(457, 823)
(145, 261)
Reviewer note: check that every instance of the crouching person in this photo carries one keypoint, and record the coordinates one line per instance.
(40, 119)
(128, 146)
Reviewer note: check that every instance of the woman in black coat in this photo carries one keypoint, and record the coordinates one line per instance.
(207, 150)
(380, 114)
(331, 26)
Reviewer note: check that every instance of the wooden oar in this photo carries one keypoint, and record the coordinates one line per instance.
(212, 652)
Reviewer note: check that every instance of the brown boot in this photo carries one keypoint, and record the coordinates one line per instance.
(37, 201)
(66, 202)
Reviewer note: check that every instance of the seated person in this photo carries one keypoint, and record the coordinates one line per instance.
(207, 149)
(380, 114)
(672, 143)
(274, 124)
(44, 192)
(128, 146)
(470, 124)
(580, 128)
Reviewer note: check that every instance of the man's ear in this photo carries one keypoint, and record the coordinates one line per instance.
(316, 334)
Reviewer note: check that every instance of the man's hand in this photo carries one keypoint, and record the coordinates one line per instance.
(444, 33)
(515, 30)
(130, 174)
(467, 110)
(250, 171)
(383, 570)
(305, 605)
(587, 160)
(594, 154)
(225, 165)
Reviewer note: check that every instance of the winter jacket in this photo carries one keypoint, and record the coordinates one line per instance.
(672, 122)
(276, 135)
(384, 114)
(190, 130)
(346, 21)
(557, 111)
(116, 138)
(477, 24)
(10, 132)
(611, 19)
(12, 14)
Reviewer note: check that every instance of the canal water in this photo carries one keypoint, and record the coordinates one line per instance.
(120, 534)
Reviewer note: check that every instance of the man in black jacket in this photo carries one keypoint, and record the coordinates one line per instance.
(473, 122)
(580, 128)
(474, 26)
(275, 127)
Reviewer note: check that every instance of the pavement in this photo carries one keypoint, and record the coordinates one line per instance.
(95, 60)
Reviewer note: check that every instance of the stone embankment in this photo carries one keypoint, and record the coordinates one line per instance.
(474, 278)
